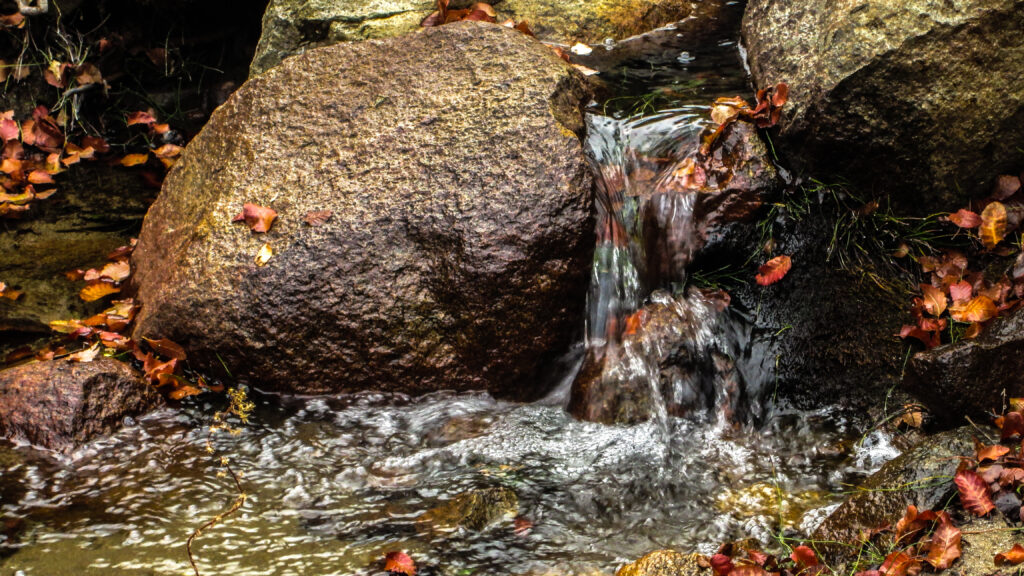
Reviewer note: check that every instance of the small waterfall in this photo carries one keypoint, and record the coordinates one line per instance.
(656, 345)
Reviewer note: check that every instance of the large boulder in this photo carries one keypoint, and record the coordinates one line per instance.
(292, 26)
(922, 98)
(971, 378)
(60, 405)
(457, 253)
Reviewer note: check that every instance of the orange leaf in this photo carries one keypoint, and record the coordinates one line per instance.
(978, 309)
(117, 271)
(965, 219)
(994, 452)
(974, 492)
(400, 563)
(1011, 425)
(134, 159)
(945, 547)
(773, 270)
(635, 321)
(1013, 556)
(98, 290)
(140, 118)
(183, 391)
(167, 348)
(805, 559)
(900, 563)
(993, 224)
(258, 218)
(934, 300)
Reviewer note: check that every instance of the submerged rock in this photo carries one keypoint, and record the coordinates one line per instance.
(456, 253)
(971, 378)
(293, 26)
(60, 405)
(921, 477)
(665, 563)
(921, 98)
(475, 510)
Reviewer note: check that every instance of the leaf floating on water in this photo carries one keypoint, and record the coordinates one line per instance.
(993, 224)
(773, 270)
(965, 219)
(521, 526)
(257, 218)
(318, 217)
(264, 255)
(399, 563)
(1011, 557)
(974, 492)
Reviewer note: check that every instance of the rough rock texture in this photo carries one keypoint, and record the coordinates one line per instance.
(923, 98)
(60, 405)
(292, 26)
(664, 563)
(982, 539)
(971, 378)
(921, 477)
(458, 249)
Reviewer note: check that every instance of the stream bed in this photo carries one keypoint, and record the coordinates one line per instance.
(335, 483)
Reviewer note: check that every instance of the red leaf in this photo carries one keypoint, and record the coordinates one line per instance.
(899, 563)
(974, 492)
(965, 219)
(773, 270)
(1013, 556)
(748, 570)
(317, 217)
(945, 546)
(1011, 425)
(399, 563)
(805, 559)
(960, 292)
(721, 564)
(9, 130)
(521, 526)
(258, 218)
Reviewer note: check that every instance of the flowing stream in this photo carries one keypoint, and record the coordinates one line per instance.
(334, 483)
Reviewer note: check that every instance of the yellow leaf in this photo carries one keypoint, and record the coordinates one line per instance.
(264, 255)
(96, 291)
(979, 309)
(993, 224)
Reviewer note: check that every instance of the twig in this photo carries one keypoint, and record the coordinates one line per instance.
(239, 501)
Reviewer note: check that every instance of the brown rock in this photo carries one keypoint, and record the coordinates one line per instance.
(60, 405)
(458, 249)
(664, 563)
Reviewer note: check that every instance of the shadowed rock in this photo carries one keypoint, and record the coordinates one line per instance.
(60, 405)
(922, 98)
(456, 255)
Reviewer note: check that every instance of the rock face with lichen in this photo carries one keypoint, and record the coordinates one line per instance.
(292, 26)
(60, 405)
(919, 98)
(457, 252)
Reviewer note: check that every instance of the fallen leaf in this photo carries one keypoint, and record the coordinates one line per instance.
(399, 563)
(521, 526)
(166, 348)
(993, 224)
(634, 322)
(135, 159)
(258, 218)
(773, 270)
(978, 309)
(98, 290)
(899, 563)
(264, 255)
(805, 559)
(1006, 185)
(88, 74)
(318, 217)
(934, 300)
(960, 292)
(974, 492)
(9, 130)
(86, 354)
(140, 118)
(721, 564)
(117, 271)
(965, 219)
(183, 391)
(1011, 557)
(1010, 425)
(993, 452)
(945, 545)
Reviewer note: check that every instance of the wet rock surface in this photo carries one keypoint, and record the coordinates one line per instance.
(971, 378)
(921, 99)
(456, 254)
(293, 26)
(60, 405)
(474, 510)
(921, 477)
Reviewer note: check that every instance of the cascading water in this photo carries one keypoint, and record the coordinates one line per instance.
(655, 346)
